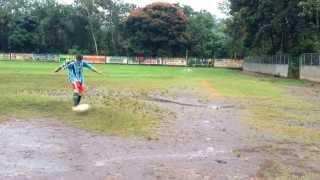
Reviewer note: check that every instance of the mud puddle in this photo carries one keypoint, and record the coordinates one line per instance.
(198, 143)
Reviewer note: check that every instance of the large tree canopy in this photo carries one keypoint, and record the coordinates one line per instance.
(206, 35)
(111, 27)
(269, 27)
(157, 30)
(49, 27)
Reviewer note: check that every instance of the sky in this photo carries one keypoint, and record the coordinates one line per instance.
(209, 5)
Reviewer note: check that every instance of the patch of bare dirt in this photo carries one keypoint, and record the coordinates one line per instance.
(212, 92)
(203, 140)
(309, 92)
(197, 143)
(281, 158)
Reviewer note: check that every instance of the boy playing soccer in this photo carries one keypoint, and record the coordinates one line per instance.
(76, 77)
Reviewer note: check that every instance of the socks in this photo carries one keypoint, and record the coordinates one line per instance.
(79, 99)
(76, 99)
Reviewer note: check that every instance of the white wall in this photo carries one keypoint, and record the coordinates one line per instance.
(311, 73)
(228, 63)
(272, 69)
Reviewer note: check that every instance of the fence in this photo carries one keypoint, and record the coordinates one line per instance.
(275, 65)
(195, 62)
(228, 63)
(45, 57)
(199, 62)
(310, 59)
(29, 57)
(221, 63)
(282, 59)
(95, 59)
(310, 67)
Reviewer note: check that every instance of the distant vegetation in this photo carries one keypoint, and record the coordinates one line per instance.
(112, 27)
(269, 26)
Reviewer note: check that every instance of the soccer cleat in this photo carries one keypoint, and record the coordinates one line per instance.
(74, 108)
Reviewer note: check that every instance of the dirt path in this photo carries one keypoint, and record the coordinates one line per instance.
(204, 140)
(197, 144)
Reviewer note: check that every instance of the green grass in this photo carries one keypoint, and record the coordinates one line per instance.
(29, 90)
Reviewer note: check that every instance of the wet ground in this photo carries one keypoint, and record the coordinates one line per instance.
(202, 141)
(197, 144)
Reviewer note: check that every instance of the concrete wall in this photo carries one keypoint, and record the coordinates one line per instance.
(95, 59)
(311, 73)
(228, 63)
(4, 56)
(272, 69)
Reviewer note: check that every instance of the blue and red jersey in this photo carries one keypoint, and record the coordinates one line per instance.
(75, 69)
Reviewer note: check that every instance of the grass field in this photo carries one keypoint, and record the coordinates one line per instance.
(30, 90)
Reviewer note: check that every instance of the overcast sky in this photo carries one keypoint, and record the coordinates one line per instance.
(209, 5)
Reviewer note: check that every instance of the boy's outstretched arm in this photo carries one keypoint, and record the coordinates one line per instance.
(63, 66)
(96, 70)
(90, 66)
(58, 69)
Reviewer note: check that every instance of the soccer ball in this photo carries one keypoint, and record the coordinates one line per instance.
(81, 108)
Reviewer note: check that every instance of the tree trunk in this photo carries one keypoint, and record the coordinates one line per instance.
(318, 18)
(91, 30)
(94, 40)
(113, 41)
(273, 42)
(282, 41)
(92, 34)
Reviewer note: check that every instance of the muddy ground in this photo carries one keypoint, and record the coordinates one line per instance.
(204, 140)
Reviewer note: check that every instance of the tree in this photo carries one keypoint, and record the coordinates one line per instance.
(309, 39)
(203, 40)
(207, 37)
(62, 27)
(269, 27)
(110, 27)
(4, 21)
(157, 30)
(235, 38)
(114, 16)
(92, 13)
(311, 9)
(23, 36)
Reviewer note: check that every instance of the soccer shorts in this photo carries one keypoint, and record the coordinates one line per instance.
(78, 87)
